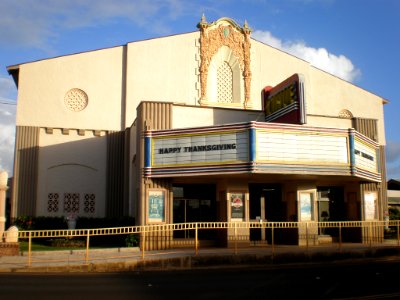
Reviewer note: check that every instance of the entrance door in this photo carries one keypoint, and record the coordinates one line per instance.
(266, 204)
(330, 207)
(194, 203)
(331, 204)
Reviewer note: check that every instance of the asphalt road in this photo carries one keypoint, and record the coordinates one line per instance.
(369, 280)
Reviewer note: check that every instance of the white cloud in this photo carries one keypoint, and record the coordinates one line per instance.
(7, 136)
(7, 123)
(393, 151)
(338, 65)
(393, 159)
(33, 23)
(7, 88)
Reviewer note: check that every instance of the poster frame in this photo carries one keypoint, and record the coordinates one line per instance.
(233, 214)
(152, 206)
(306, 206)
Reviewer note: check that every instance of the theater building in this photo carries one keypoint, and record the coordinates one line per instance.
(211, 125)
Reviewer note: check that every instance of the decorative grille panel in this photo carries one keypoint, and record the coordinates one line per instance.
(225, 83)
(71, 202)
(90, 203)
(76, 100)
(52, 202)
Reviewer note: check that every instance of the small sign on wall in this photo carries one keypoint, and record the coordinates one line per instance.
(156, 206)
(237, 205)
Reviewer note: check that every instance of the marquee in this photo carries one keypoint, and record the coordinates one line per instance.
(258, 147)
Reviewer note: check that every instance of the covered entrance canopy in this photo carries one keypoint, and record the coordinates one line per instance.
(260, 148)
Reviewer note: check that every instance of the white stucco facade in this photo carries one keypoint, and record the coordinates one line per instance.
(118, 79)
(83, 109)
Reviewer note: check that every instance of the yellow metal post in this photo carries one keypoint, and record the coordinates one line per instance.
(340, 236)
(143, 242)
(273, 239)
(235, 230)
(307, 236)
(30, 249)
(196, 240)
(87, 247)
(370, 234)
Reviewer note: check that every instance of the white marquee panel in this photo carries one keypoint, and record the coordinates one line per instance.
(301, 148)
(365, 156)
(198, 149)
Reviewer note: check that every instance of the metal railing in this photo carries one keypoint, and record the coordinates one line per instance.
(306, 234)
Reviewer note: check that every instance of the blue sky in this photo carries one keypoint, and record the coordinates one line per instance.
(357, 40)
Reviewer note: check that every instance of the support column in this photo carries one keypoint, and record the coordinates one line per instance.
(3, 190)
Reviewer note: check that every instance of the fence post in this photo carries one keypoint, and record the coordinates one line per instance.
(87, 246)
(235, 238)
(144, 241)
(196, 240)
(398, 233)
(273, 239)
(370, 234)
(307, 236)
(340, 236)
(30, 248)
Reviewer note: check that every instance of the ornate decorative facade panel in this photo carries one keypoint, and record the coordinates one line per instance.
(224, 32)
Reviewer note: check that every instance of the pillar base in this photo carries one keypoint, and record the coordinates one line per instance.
(9, 249)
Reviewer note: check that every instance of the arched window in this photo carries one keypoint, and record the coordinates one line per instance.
(225, 85)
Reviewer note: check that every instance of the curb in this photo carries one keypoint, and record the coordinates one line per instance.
(216, 261)
(83, 251)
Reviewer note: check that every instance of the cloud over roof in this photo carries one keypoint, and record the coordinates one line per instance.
(338, 65)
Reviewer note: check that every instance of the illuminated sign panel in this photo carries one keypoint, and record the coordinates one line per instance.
(192, 149)
(365, 156)
(285, 97)
(302, 147)
(285, 102)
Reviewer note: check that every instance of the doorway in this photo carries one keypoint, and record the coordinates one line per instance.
(266, 204)
(331, 204)
(194, 203)
(331, 207)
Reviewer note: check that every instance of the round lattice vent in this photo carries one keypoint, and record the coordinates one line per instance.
(76, 100)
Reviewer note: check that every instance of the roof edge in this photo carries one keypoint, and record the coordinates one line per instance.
(14, 72)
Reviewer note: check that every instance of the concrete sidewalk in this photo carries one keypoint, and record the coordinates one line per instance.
(131, 259)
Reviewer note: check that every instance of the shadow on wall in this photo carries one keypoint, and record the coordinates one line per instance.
(72, 174)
